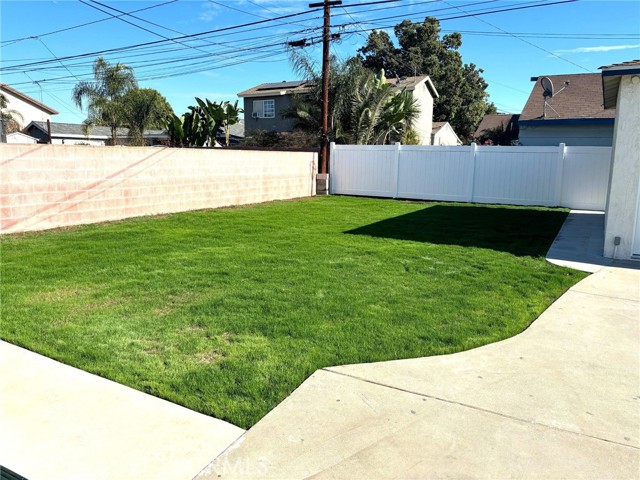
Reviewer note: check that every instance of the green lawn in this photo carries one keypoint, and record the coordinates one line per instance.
(227, 311)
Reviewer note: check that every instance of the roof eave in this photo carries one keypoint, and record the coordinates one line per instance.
(611, 82)
(535, 122)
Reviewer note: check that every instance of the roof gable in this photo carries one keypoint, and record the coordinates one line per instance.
(26, 98)
(579, 102)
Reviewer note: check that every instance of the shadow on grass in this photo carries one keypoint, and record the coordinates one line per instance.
(519, 231)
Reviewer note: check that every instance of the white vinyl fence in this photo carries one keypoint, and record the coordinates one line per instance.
(573, 177)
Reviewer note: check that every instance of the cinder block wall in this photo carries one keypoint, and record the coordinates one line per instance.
(49, 186)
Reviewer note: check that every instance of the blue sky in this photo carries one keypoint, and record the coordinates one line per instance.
(511, 47)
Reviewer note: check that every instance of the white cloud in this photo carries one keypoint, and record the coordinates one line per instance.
(603, 48)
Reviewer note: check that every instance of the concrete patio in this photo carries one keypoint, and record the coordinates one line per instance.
(560, 400)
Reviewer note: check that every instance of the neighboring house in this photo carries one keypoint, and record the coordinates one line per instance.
(18, 137)
(442, 133)
(73, 134)
(265, 104)
(492, 122)
(424, 92)
(575, 115)
(29, 108)
(621, 91)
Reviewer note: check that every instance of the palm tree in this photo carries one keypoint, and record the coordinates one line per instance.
(365, 108)
(103, 96)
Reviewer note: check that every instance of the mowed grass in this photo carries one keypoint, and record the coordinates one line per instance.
(227, 311)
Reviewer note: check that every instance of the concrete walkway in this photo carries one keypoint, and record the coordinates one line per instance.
(580, 243)
(58, 422)
(560, 400)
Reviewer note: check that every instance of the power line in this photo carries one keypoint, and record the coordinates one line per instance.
(181, 63)
(16, 40)
(183, 37)
(526, 41)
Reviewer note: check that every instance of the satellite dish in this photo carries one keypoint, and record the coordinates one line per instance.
(547, 86)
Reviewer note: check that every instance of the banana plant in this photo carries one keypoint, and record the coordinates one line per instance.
(186, 131)
(212, 118)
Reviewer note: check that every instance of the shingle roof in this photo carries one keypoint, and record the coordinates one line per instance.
(435, 126)
(630, 63)
(28, 99)
(581, 99)
(287, 88)
(411, 83)
(494, 120)
(58, 128)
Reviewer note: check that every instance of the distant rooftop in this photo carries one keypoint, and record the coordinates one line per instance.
(494, 120)
(279, 88)
(581, 100)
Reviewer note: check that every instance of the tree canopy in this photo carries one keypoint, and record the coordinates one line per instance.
(142, 109)
(421, 50)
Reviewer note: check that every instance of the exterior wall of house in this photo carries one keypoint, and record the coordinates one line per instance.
(18, 137)
(275, 124)
(28, 111)
(570, 135)
(622, 215)
(77, 141)
(445, 136)
(49, 186)
(423, 124)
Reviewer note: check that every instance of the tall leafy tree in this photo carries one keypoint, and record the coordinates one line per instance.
(103, 96)
(422, 50)
(143, 109)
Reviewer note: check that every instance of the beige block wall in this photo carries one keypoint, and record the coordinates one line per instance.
(49, 186)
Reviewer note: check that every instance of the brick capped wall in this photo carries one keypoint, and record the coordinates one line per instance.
(49, 186)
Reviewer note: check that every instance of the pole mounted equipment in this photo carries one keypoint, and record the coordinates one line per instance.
(326, 41)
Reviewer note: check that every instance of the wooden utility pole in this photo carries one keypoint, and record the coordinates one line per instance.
(326, 42)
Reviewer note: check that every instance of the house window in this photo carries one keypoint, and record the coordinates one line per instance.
(264, 108)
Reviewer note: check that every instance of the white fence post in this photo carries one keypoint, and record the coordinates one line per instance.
(332, 165)
(559, 172)
(396, 170)
(472, 170)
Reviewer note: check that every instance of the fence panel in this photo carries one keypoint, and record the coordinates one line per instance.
(437, 173)
(574, 177)
(517, 175)
(585, 177)
(367, 170)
